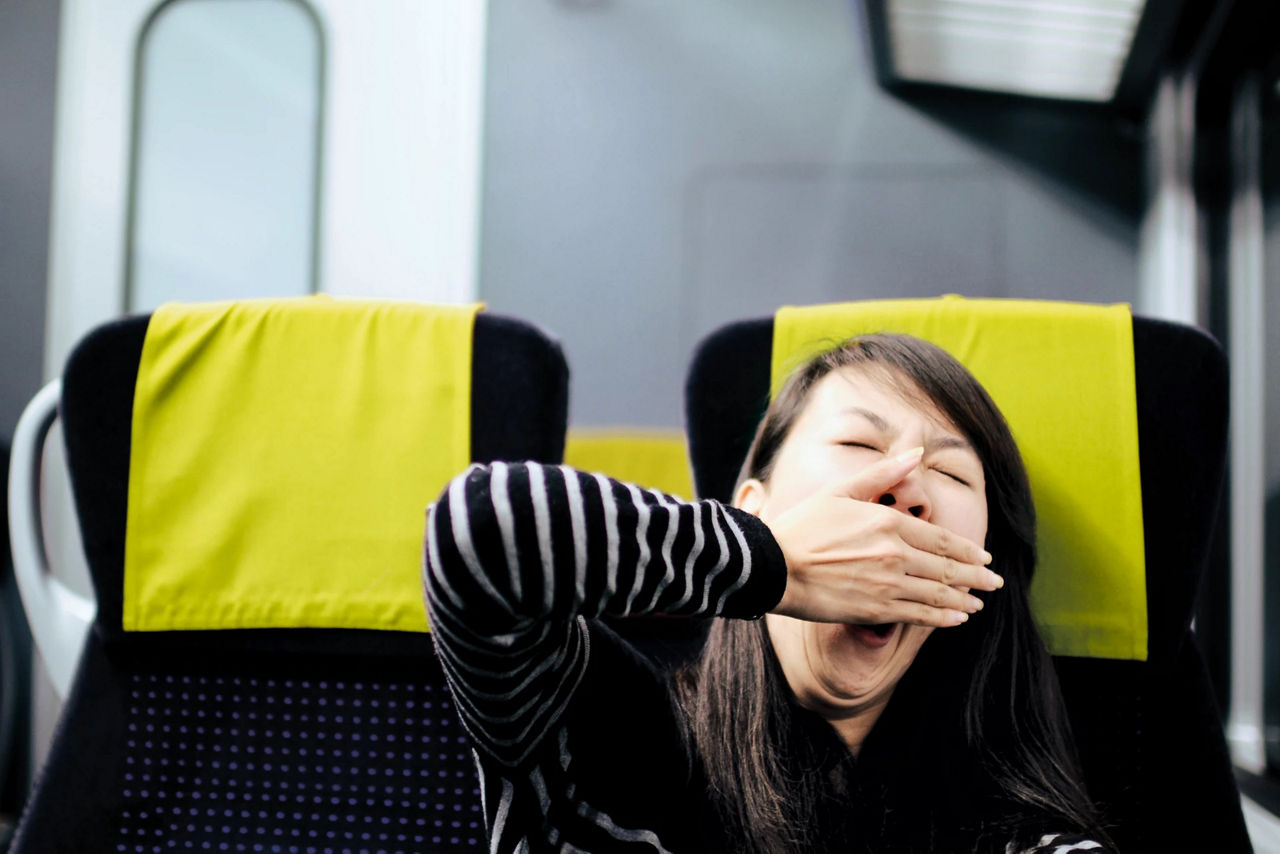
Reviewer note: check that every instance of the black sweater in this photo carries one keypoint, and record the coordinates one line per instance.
(581, 745)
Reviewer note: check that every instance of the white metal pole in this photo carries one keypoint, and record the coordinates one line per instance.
(1246, 319)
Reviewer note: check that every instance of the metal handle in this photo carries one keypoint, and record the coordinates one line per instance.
(59, 617)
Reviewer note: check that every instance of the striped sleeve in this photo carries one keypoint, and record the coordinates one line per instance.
(1058, 843)
(518, 556)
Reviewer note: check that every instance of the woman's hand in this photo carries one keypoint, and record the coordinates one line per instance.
(851, 560)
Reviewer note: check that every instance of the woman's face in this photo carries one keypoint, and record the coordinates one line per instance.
(851, 420)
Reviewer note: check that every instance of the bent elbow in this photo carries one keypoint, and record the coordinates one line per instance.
(458, 575)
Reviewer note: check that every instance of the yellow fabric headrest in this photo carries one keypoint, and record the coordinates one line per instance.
(1062, 374)
(283, 455)
(652, 458)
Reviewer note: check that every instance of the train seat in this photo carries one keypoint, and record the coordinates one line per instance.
(278, 728)
(1147, 726)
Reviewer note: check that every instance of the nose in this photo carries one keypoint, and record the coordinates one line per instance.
(908, 496)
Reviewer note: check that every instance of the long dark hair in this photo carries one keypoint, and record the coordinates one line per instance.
(975, 733)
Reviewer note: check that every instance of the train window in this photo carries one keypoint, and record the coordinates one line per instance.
(224, 193)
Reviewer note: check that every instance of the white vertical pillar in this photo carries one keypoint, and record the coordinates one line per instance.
(88, 216)
(1169, 284)
(1246, 318)
(402, 148)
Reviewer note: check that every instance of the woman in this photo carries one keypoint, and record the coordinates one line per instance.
(867, 712)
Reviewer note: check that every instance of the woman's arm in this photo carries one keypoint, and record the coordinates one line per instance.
(1058, 843)
(519, 555)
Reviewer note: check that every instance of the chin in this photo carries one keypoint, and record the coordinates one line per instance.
(864, 661)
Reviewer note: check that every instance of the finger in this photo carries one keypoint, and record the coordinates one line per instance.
(951, 572)
(938, 595)
(872, 482)
(916, 614)
(937, 540)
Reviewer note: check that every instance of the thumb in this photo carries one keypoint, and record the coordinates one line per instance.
(870, 483)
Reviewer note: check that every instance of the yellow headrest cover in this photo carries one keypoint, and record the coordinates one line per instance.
(652, 458)
(283, 455)
(1062, 374)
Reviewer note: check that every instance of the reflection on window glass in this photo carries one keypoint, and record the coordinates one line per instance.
(226, 153)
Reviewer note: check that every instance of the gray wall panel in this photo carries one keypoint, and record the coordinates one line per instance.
(28, 63)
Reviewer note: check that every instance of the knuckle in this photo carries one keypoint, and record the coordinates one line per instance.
(893, 557)
(883, 522)
(944, 541)
(951, 571)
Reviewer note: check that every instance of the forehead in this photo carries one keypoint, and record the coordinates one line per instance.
(882, 391)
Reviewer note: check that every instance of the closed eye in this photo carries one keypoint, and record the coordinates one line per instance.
(954, 477)
(869, 447)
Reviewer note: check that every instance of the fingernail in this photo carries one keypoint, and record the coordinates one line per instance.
(961, 617)
(986, 557)
(975, 603)
(997, 580)
(913, 454)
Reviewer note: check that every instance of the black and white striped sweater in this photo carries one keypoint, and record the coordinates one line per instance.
(581, 746)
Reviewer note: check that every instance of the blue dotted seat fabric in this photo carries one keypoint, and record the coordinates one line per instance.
(280, 764)
(200, 748)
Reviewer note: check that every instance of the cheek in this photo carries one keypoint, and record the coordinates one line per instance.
(794, 478)
(915, 638)
(965, 515)
(804, 468)
(977, 523)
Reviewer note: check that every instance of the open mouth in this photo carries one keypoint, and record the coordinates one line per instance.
(876, 635)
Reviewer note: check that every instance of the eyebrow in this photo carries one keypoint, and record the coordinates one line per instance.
(877, 421)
